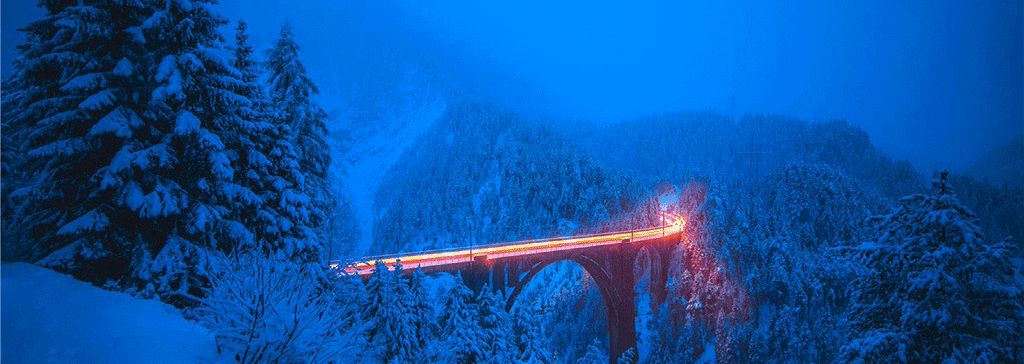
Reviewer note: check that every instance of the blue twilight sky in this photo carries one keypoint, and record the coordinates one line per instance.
(938, 82)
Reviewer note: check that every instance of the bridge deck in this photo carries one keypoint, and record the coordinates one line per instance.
(453, 258)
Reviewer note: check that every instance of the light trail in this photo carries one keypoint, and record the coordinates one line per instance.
(671, 224)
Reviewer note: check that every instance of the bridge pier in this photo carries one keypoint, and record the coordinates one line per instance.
(613, 268)
(476, 276)
(660, 256)
(620, 301)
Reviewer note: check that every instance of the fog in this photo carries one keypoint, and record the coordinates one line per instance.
(938, 83)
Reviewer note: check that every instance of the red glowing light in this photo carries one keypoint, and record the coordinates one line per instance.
(671, 224)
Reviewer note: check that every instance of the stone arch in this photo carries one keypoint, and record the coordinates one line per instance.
(613, 271)
(592, 267)
(613, 268)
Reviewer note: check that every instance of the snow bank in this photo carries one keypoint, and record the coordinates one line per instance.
(48, 317)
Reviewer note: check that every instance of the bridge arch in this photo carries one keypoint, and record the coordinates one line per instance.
(609, 258)
(615, 269)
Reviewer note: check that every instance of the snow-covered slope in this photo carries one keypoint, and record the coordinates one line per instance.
(48, 317)
(375, 149)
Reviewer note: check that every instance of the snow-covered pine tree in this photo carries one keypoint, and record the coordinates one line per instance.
(391, 329)
(669, 343)
(186, 165)
(422, 310)
(497, 339)
(460, 338)
(8, 174)
(351, 294)
(594, 354)
(933, 291)
(530, 338)
(290, 90)
(629, 357)
(70, 108)
(12, 159)
(269, 167)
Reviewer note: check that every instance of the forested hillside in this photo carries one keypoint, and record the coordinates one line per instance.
(1003, 165)
(674, 146)
(774, 203)
(484, 175)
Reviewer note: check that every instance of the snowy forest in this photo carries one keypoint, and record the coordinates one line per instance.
(182, 185)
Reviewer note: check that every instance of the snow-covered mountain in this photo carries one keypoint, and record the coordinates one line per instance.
(367, 140)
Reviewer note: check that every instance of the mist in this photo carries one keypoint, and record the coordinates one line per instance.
(939, 84)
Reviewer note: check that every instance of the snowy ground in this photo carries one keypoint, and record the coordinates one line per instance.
(47, 317)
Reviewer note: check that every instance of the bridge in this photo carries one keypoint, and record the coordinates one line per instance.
(609, 258)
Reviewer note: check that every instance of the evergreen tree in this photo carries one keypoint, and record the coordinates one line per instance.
(594, 354)
(669, 344)
(290, 90)
(185, 167)
(270, 168)
(460, 333)
(422, 310)
(132, 180)
(75, 101)
(933, 292)
(8, 152)
(530, 337)
(496, 329)
(391, 329)
(629, 357)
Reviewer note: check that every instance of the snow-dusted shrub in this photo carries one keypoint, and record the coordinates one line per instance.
(270, 311)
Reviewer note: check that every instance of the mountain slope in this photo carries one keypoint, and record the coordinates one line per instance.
(683, 145)
(481, 174)
(367, 139)
(1004, 164)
